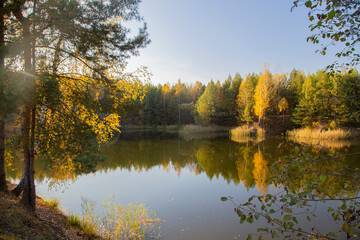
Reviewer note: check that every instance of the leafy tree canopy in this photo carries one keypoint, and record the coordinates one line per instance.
(335, 22)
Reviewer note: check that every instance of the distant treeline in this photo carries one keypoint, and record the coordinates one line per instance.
(299, 100)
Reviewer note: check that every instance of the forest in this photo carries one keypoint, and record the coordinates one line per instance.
(293, 100)
(65, 93)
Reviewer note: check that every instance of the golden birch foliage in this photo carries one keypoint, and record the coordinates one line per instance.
(76, 114)
(264, 92)
(283, 104)
(165, 90)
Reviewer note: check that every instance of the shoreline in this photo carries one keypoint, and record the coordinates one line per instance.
(17, 222)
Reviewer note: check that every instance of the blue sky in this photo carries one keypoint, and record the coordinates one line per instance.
(200, 40)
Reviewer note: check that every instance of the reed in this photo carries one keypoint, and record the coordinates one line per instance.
(133, 221)
(247, 131)
(318, 133)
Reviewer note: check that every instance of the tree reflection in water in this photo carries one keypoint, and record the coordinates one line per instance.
(243, 161)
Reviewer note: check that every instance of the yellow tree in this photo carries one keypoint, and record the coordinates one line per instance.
(165, 91)
(264, 92)
(283, 105)
(74, 118)
(196, 91)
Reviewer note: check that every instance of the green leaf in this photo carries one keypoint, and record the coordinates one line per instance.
(260, 237)
(243, 218)
(263, 230)
(224, 199)
(331, 15)
(290, 224)
(343, 206)
(330, 209)
(250, 219)
(239, 213)
(308, 218)
(295, 220)
(308, 4)
(287, 217)
(272, 210)
(311, 18)
(274, 234)
(249, 237)
(346, 227)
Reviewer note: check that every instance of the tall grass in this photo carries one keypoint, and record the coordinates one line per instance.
(247, 131)
(321, 133)
(133, 221)
(51, 202)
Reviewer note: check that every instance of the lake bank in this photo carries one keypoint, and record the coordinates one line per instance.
(191, 131)
(16, 222)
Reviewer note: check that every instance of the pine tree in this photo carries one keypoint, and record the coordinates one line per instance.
(305, 111)
(348, 92)
(294, 85)
(245, 99)
(205, 106)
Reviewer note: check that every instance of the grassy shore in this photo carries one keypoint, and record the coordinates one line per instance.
(318, 133)
(134, 221)
(47, 222)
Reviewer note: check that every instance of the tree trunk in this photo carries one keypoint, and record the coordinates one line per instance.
(3, 185)
(29, 195)
(19, 188)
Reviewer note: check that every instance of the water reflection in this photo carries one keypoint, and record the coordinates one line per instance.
(325, 143)
(242, 161)
(239, 161)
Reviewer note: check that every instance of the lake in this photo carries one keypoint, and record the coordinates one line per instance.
(182, 179)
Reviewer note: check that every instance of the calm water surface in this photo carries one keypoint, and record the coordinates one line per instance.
(183, 179)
